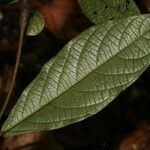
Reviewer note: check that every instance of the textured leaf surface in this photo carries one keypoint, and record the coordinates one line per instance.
(100, 11)
(36, 24)
(84, 77)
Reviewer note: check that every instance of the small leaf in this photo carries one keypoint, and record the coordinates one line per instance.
(84, 77)
(100, 11)
(36, 24)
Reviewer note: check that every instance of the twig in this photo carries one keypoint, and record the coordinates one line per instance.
(23, 23)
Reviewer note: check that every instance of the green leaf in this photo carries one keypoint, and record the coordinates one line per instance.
(100, 11)
(36, 24)
(84, 77)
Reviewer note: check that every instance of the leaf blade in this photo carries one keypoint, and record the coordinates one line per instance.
(36, 24)
(89, 73)
(100, 11)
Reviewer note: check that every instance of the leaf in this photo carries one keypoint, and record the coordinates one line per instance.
(36, 24)
(84, 77)
(100, 11)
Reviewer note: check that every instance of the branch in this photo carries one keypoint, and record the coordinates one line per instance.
(23, 24)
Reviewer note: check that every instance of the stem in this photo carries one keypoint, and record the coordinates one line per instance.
(23, 23)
